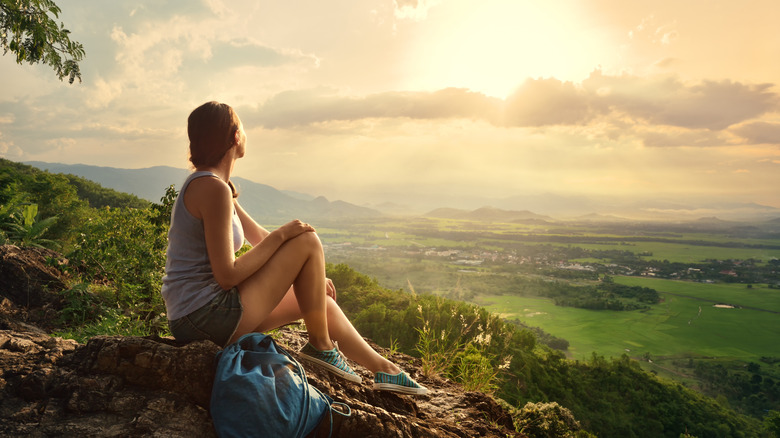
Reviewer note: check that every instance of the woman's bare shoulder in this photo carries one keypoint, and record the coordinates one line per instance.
(208, 182)
(207, 193)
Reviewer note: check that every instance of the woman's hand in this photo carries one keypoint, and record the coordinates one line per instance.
(330, 289)
(293, 229)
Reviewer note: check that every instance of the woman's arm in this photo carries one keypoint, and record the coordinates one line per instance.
(211, 200)
(253, 232)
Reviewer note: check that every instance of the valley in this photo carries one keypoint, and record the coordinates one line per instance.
(718, 290)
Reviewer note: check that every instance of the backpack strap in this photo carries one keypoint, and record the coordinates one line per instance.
(341, 405)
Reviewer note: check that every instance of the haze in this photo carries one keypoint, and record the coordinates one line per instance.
(416, 101)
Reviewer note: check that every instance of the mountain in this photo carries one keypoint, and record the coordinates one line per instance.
(555, 205)
(595, 217)
(262, 202)
(575, 207)
(149, 183)
(267, 203)
(394, 209)
(489, 214)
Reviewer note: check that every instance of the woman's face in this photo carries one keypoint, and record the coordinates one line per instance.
(241, 140)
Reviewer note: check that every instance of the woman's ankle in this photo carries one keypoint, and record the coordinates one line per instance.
(321, 344)
(386, 367)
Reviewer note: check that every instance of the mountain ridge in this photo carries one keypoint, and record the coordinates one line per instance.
(267, 203)
(489, 214)
(261, 201)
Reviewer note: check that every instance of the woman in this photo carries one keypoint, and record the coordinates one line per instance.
(211, 294)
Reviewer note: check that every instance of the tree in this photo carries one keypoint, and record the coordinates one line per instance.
(772, 423)
(28, 30)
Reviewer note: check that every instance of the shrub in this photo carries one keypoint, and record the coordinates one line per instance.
(548, 420)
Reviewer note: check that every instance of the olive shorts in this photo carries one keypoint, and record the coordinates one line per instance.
(217, 321)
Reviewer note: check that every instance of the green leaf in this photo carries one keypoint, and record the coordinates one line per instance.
(29, 213)
(37, 38)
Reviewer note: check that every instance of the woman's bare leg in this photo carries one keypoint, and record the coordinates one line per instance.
(299, 262)
(352, 344)
(340, 329)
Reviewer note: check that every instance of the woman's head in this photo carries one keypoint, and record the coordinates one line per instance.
(213, 128)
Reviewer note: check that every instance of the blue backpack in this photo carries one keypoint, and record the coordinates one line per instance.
(260, 390)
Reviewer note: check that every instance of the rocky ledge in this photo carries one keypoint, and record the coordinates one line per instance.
(131, 386)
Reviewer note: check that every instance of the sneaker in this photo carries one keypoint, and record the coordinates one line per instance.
(330, 360)
(400, 382)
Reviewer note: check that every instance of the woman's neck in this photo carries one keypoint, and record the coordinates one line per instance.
(223, 169)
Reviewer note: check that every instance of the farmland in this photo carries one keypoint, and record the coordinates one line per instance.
(686, 323)
(500, 266)
(717, 318)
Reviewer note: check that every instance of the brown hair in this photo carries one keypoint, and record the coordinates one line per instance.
(211, 128)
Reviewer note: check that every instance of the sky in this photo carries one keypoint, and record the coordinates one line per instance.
(425, 100)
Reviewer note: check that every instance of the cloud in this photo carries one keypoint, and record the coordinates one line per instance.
(627, 102)
(7, 118)
(304, 107)
(8, 149)
(161, 9)
(760, 133)
(715, 105)
(103, 93)
(669, 37)
(416, 10)
(674, 137)
(664, 34)
(244, 52)
(169, 57)
(666, 63)
(667, 101)
(547, 102)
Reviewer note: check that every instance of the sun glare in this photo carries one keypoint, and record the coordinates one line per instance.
(494, 47)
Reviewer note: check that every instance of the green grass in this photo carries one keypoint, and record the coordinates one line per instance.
(675, 327)
(758, 295)
(684, 253)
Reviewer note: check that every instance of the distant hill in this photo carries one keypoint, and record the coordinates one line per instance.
(626, 209)
(394, 209)
(149, 183)
(263, 202)
(489, 214)
(269, 204)
(595, 217)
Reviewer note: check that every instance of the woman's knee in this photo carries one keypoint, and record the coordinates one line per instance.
(308, 240)
(334, 310)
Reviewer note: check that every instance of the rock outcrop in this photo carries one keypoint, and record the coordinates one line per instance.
(131, 386)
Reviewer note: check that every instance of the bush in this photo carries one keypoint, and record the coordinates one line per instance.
(548, 420)
(122, 249)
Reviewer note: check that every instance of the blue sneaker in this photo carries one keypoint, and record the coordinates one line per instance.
(331, 360)
(400, 382)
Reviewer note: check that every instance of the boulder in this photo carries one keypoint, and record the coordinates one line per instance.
(122, 386)
(29, 276)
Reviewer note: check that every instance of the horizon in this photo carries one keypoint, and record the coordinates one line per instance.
(386, 101)
(550, 206)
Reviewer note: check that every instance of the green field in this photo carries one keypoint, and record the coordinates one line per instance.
(685, 324)
(687, 247)
(687, 253)
(513, 268)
